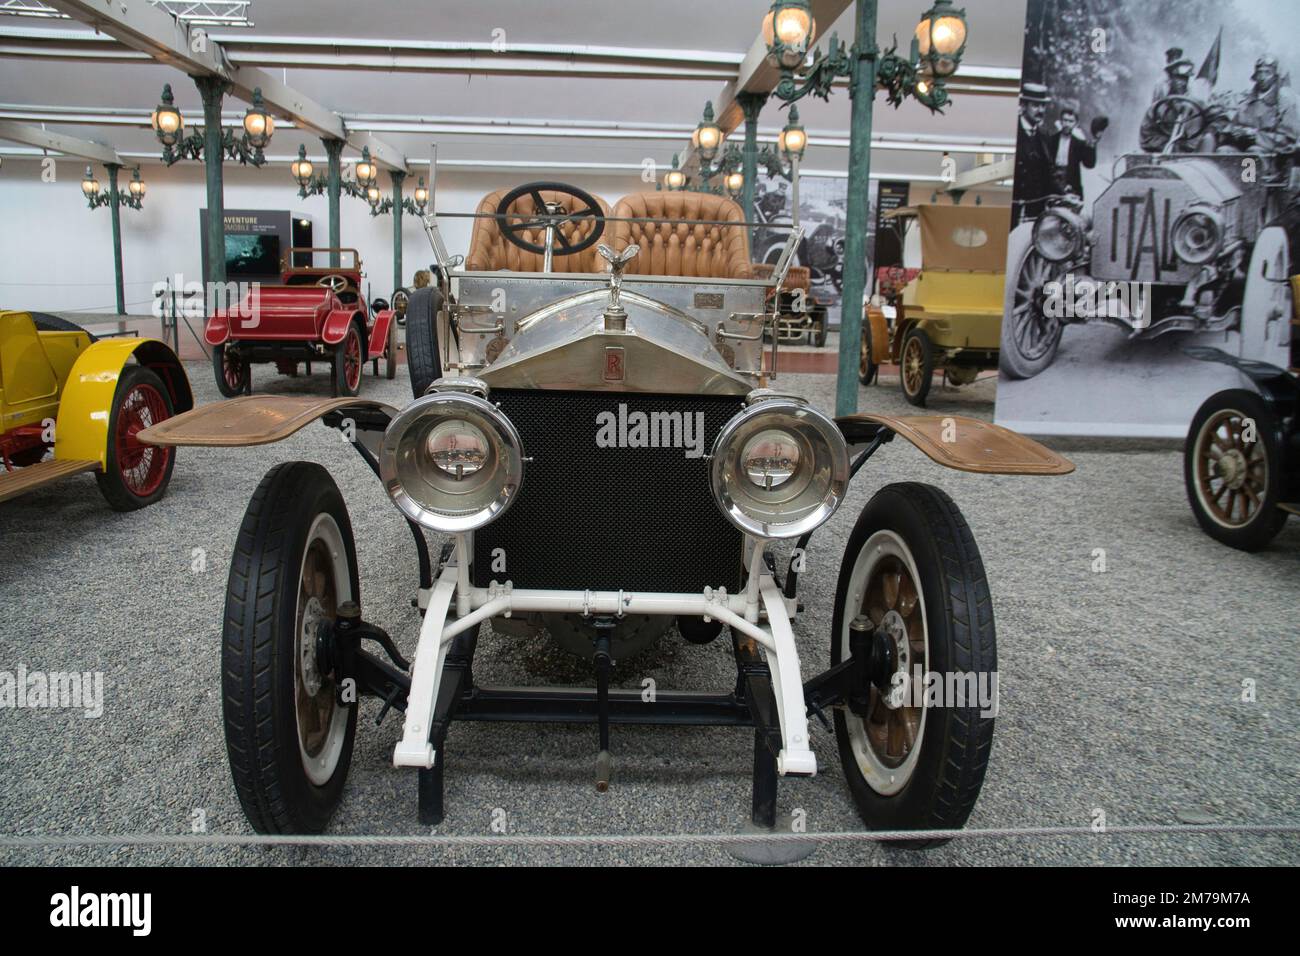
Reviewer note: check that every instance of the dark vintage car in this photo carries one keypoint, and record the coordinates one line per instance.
(316, 314)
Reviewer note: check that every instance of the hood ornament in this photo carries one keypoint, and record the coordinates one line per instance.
(615, 316)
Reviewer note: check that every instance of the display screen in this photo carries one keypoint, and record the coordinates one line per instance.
(252, 255)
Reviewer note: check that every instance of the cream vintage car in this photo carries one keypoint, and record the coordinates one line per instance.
(598, 444)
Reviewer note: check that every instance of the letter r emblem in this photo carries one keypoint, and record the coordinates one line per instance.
(614, 369)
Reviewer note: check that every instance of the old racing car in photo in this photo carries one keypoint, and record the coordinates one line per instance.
(599, 440)
(1192, 237)
(71, 404)
(316, 314)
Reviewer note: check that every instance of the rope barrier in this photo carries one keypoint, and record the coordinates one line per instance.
(627, 840)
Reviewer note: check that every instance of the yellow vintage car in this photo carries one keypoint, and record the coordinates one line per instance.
(85, 400)
(949, 316)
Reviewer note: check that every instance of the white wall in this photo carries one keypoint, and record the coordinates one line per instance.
(57, 255)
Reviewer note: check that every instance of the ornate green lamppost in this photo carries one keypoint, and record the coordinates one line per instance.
(212, 143)
(115, 199)
(396, 204)
(784, 160)
(936, 51)
(333, 185)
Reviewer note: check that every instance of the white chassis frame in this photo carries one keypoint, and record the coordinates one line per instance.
(453, 592)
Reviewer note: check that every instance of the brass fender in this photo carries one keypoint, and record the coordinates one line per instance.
(81, 430)
(966, 444)
(256, 420)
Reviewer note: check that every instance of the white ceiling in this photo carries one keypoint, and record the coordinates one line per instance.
(655, 114)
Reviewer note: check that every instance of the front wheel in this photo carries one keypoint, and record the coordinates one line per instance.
(1232, 470)
(423, 363)
(136, 474)
(231, 370)
(914, 759)
(289, 734)
(1030, 337)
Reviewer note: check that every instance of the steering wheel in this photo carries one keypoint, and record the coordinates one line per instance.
(1181, 118)
(334, 282)
(549, 214)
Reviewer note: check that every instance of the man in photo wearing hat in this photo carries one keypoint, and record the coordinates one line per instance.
(1266, 118)
(1034, 170)
(1156, 131)
(1072, 150)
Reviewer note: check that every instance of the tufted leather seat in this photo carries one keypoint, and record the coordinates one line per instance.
(683, 246)
(489, 250)
(796, 277)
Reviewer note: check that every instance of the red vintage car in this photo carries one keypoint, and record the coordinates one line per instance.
(316, 314)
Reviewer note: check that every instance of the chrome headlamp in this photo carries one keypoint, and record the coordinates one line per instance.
(1059, 234)
(1197, 235)
(779, 468)
(451, 461)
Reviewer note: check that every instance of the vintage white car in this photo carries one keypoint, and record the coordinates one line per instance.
(595, 437)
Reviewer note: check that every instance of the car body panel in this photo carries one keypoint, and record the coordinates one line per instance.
(250, 420)
(88, 394)
(19, 482)
(336, 323)
(33, 366)
(384, 320)
(968, 444)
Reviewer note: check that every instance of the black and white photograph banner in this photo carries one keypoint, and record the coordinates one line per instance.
(1155, 210)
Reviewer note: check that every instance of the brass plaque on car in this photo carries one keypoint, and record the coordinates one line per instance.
(708, 300)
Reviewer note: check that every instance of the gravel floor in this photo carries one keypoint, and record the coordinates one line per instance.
(1121, 691)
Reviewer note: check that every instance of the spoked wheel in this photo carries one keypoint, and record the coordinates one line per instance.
(1030, 337)
(136, 474)
(231, 370)
(868, 370)
(913, 576)
(1231, 470)
(917, 366)
(348, 359)
(289, 732)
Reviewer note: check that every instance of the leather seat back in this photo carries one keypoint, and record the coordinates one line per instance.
(489, 250)
(681, 244)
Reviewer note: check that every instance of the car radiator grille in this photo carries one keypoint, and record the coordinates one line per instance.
(589, 517)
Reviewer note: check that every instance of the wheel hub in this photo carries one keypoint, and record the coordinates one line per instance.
(895, 631)
(1231, 467)
(313, 616)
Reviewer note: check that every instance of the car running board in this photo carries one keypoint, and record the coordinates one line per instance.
(15, 483)
(966, 444)
(251, 420)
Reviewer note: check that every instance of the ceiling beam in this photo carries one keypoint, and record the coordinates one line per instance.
(160, 35)
(58, 142)
(982, 176)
